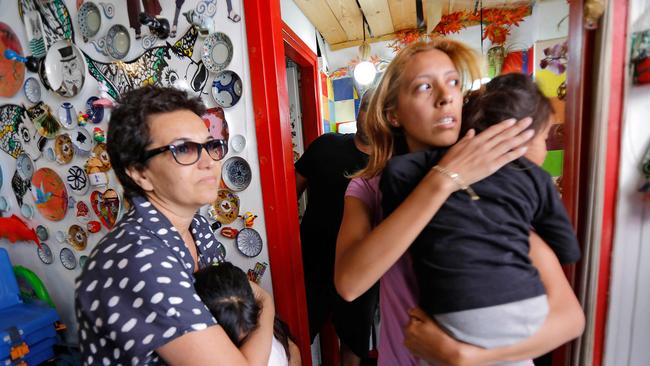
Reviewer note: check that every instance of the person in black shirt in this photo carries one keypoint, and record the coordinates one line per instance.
(471, 261)
(324, 169)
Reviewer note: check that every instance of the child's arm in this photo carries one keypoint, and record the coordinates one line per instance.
(260, 338)
(565, 322)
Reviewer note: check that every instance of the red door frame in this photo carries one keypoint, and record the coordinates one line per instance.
(301, 54)
(273, 131)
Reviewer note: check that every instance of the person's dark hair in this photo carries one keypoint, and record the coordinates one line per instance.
(363, 107)
(128, 130)
(506, 96)
(225, 290)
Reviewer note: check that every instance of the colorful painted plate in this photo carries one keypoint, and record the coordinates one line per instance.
(226, 88)
(82, 141)
(63, 149)
(67, 115)
(238, 143)
(106, 206)
(77, 237)
(226, 208)
(236, 174)
(77, 180)
(32, 90)
(89, 19)
(68, 260)
(65, 68)
(24, 166)
(95, 112)
(45, 254)
(215, 121)
(217, 52)
(118, 42)
(249, 242)
(12, 73)
(50, 194)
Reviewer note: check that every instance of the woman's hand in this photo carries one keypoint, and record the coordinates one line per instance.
(426, 340)
(475, 157)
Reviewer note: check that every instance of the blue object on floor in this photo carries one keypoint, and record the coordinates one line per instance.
(27, 330)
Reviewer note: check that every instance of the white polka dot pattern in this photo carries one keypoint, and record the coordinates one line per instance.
(136, 292)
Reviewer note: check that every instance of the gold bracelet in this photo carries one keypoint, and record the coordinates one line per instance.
(458, 180)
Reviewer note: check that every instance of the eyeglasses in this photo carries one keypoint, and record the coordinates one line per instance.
(189, 152)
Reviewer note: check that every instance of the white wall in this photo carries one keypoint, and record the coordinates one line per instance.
(57, 279)
(628, 321)
(298, 22)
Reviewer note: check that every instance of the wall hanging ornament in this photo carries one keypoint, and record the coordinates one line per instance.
(106, 206)
(82, 141)
(236, 174)
(77, 180)
(215, 121)
(12, 73)
(82, 212)
(204, 24)
(55, 18)
(63, 149)
(32, 90)
(226, 208)
(226, 88)
(42, 233)
(217, 52)
(67, 115)
(50, 194)
(35, 33)
(65, 68)
(256, 273)
(67, 258)
(249, 242)
(238, 143)
(20, 187)
(77, 237)
(45, 254)
(158, 26)
(42, 118)
(89, 20)
(95, 111)
(24, 166)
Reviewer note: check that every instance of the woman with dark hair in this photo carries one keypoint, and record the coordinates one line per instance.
(135, 302)
(226, 292)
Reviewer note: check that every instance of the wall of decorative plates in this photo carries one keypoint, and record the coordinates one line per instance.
(63, 63)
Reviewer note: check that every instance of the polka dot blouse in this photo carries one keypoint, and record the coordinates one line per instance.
(136, 292)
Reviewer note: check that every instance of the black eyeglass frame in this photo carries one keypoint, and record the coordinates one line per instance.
(203, 146)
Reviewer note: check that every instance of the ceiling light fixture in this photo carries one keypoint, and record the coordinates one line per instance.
(364, 71)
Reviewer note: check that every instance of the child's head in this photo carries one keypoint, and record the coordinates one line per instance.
(420, 98)
(225, 290)
(361, 115)
(511, 96)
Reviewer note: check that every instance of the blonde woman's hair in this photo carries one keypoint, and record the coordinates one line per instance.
(384, 99)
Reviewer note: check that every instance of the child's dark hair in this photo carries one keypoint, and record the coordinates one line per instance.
(225, 290)
(506, 96)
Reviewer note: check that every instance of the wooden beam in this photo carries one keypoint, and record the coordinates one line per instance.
(403, 14)
(347, 44)
(378, 16)
(432, 10)
(349, 17)
(321, 16)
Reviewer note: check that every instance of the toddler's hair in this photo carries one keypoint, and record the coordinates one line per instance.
(225, 290)
(506, 96)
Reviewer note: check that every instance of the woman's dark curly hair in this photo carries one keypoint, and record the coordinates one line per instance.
(128, 129)
(506, 96)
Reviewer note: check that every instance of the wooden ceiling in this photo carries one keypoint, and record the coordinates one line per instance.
(340, 21)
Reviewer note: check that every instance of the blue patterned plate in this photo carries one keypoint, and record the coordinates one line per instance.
(236, 174)
(217, 52)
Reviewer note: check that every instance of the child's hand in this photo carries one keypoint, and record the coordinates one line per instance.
(426, 340)
(475, 157)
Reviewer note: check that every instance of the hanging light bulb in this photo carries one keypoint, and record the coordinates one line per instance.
(364, 71)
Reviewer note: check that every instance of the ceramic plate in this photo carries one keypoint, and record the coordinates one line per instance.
(63, 149)
(27, 211)
(82, 141)
(249, 242)
(77, 237)
(45, 254)
(4, 205)
(226, 88)
(238, 143)
(12, 73)
(32, 89)
(236, 173)
(89, 19)
(68, 259)
(46, 125)
(42, 233)
(82, 260)
(24, 166)
(226, 208)
(106, 206)
(67, 115)
(215, 121)
(50, 194)
(95, 113)
(77, 180)
(65, 68)
(118, 41)
(217, 52)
